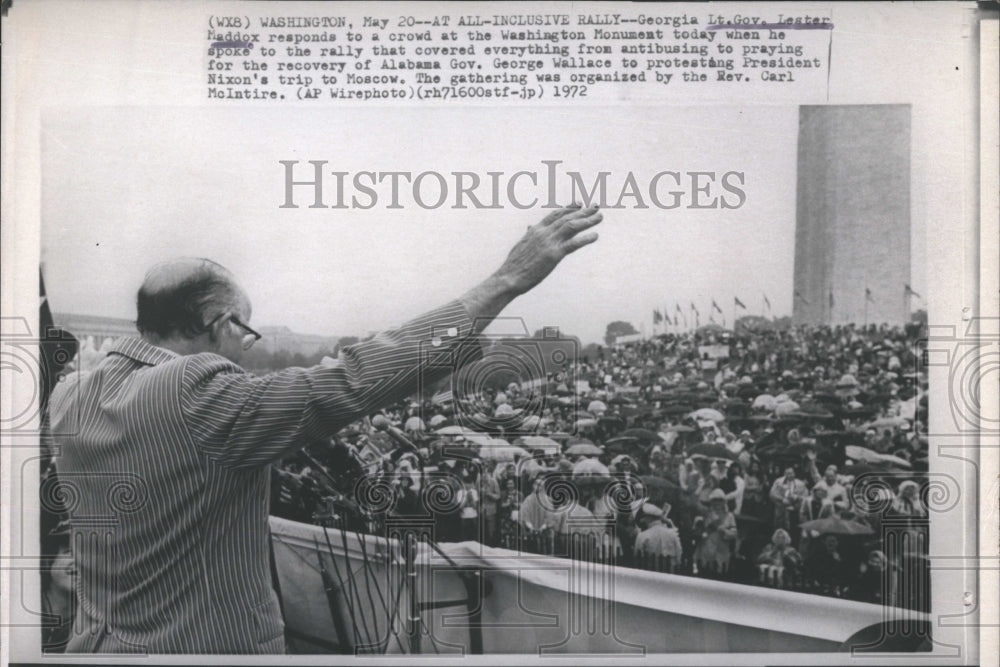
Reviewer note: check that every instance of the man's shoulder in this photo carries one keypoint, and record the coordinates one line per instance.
(206, 365)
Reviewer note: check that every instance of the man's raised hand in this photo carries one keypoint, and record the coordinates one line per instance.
(546, 244)
(530, 260)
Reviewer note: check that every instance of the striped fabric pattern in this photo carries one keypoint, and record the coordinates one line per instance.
(167, 484)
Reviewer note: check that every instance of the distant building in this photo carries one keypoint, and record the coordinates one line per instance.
(96, 332)
(852, 235)
(95, 327)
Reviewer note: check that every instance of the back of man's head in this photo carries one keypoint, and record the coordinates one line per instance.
(181, 296)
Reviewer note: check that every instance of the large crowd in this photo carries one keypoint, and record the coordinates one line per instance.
(792, 458)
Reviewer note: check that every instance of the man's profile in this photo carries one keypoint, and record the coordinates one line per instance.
(183, 567)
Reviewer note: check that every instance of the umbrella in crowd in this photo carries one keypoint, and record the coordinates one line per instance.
(502, 453)
(656, 485)
(590, 467)
(887, 422)
(597, 406)
(482, 440)
(708, 414)
(710, 451)
(642, 434)
(611, 422)
(764, 402)
(531, 423)
(584, 449)
(786, 408)
(836, 526)
(869, 456)
(619, 400)
(504, 410)
(548, 445)
(855, 469)
(414, 424)
(622, 440)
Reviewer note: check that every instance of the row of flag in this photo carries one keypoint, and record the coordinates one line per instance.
(664, 315)
(679, 314)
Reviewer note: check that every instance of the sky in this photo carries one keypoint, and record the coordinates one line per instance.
(124, 188)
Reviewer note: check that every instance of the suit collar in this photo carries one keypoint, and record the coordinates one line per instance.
(139, 350)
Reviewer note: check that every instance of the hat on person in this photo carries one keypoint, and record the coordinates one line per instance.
(717, 494)
(651, 511)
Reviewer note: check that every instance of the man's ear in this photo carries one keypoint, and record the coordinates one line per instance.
(215, 331)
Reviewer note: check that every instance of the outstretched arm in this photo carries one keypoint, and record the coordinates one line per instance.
(533, 258)
(243, 420)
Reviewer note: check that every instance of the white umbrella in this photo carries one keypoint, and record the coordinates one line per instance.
(531, 423)
(859, 453)
(895, 460)
(481, 439)
(597, 406)
(508, 453)
(786, 407)
(437, 420)
(764, 402)
(450, 430)
(590, 467)
(708, 414)
(414, 424)
(534, 442)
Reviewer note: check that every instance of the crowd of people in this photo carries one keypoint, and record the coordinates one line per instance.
(790, 458)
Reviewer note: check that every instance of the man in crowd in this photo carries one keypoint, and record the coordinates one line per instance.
(787, 493)
(175, 443)
(489, 492)
(536, 512)
(657, 540)
(835, 491)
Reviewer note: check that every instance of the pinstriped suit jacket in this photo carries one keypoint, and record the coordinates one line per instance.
(166, 477)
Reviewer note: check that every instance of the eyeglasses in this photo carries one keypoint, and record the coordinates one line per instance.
(249, 338)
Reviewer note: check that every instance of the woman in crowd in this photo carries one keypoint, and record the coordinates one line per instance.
(778, 557)
(734, 487)
(715, 552)
(510, 502)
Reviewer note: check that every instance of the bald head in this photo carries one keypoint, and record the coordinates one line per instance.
(180, 297)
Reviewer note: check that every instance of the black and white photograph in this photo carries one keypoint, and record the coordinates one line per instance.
(654, 333)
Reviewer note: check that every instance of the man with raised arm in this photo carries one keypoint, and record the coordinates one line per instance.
(166, 474)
